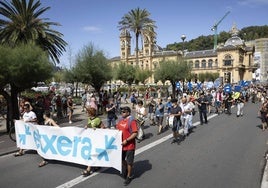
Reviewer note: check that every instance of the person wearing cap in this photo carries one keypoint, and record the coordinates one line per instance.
(128, 125)
(174, 119)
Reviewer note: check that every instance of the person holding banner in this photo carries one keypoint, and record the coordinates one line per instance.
(94, 122)
(30, 117)
(50, 122)
(128, 126)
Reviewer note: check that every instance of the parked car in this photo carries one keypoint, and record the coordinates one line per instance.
(41, 86)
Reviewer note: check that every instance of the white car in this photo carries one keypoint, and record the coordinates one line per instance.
(41, 86)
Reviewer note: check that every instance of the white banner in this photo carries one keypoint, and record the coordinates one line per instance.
(100, 147)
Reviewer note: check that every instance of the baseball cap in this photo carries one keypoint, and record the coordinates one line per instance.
(126, 108)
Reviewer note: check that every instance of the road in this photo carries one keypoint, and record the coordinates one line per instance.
(227, 152)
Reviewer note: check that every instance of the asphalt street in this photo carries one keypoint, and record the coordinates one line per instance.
(227, 152)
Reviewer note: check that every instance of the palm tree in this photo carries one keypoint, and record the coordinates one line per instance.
(22, 24)
(139, 23)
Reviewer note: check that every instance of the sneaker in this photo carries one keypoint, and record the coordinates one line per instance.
(70, 122)
(127, 181)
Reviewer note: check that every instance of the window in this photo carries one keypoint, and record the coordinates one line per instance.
(203, 64)
(227, 61)
(196, 64)
(210, 63)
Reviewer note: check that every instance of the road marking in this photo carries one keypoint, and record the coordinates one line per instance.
(1, 142)
(80, 179)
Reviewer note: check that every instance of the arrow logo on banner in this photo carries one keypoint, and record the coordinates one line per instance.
(108, 145)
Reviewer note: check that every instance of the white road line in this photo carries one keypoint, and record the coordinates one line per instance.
(2, 142)
(80, 179)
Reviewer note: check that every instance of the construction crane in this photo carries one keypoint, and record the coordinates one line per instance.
(215, 28)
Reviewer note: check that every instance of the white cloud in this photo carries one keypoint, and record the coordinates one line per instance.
(253, 2)
(91, 29)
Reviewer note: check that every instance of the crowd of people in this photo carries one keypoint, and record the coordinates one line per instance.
(164, 112)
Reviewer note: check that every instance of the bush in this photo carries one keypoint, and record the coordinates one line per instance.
(77, 100)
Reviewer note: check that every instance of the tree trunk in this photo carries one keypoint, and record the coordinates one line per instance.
(137, 48)
(12, 106)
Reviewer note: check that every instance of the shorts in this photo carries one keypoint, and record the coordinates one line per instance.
(128, 156)
(159, 120)
(176, 126)
(151, 116)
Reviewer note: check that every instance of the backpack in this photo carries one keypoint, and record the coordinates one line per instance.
(130, 119)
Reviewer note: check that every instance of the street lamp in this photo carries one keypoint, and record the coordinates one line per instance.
(183, 37)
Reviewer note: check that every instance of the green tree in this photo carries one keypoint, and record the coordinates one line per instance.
(21, 23)
(142, 75)
(172, 71)
(21, 67)
(125, 73)
(92, 67)
(139, 22)
(208, 76)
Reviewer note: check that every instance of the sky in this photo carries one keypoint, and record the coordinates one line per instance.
(85, 22)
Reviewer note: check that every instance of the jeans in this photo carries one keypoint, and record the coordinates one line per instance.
(111, 122)
(203, 116)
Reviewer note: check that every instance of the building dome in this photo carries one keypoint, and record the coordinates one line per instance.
(124, 33)
(234, 40)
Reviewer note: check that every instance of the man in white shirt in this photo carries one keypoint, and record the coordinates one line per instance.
(186, 115)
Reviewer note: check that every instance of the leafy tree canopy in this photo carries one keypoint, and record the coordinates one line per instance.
(21, 23)
(126, 73)
(92, 67)
(23, 66)
(207, 42)
(172, 71)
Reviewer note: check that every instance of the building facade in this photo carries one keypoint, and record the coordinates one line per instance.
(233, 60)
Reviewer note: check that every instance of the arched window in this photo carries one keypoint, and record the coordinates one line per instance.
(196, 64)
(203, 64)
(227, 61)
(210, 63)
(191, 64)
(216, 63)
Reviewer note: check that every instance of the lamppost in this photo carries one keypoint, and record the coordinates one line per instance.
(183, 37)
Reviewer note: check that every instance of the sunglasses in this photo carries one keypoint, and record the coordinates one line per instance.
(123, 111)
